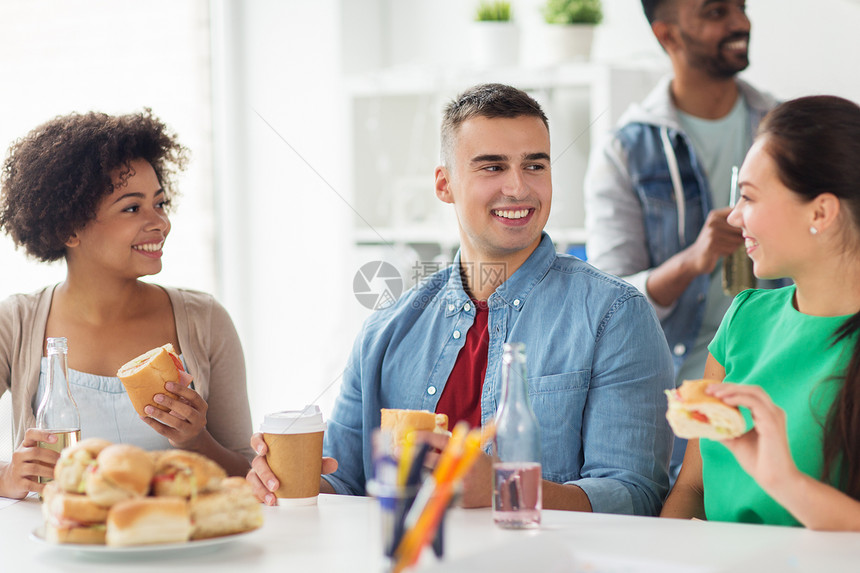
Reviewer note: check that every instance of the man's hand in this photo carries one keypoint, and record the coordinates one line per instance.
(264, 481)
(477, 483)
(716, 239)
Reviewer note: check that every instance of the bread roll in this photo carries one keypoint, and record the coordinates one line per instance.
(121, 472)
(71, 468)
(148, 520)
(401, 422)
(72, 518)
(185, 474)
(146, 375)
(232, 509)
(694, 414)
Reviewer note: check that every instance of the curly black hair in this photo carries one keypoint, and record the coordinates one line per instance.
(55, 177)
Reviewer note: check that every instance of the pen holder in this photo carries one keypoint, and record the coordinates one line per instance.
(394, 503)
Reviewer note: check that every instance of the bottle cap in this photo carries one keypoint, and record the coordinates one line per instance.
(304, 421)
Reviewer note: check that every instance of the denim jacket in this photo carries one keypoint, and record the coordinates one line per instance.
(597, 368)
(647, 198)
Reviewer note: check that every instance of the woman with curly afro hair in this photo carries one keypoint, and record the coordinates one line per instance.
(94, 190)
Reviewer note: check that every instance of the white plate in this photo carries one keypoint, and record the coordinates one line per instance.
(38, 535)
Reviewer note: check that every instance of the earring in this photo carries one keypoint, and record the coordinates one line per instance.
(813, 231)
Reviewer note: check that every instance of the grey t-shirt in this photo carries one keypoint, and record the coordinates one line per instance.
(720, 144)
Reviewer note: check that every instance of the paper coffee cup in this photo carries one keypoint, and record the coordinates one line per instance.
(295, 440)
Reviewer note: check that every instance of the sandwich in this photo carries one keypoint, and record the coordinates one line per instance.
(149, 520)
(401, 422)
(185, 474)
(70, 470)
(121, 472)
(233, 508)
(146, 375)
(72, 517)
(694, 414)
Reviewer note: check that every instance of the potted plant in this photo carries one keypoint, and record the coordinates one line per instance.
(494, 37)
(570, 30)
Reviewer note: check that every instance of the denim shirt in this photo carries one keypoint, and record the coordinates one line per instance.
(597, 362)
(634, 219)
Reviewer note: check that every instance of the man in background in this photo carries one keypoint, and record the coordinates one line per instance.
(657, 191)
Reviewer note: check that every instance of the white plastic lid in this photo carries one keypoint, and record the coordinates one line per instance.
(304, 421)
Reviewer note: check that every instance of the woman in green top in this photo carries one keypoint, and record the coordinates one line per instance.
(793, 353)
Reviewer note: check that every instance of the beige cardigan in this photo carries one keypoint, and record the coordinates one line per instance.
(207, 339)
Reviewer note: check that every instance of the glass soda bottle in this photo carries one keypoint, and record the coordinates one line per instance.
(517, 469)
(737, 266)
(58, 412)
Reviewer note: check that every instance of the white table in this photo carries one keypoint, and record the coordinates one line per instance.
(342, 534)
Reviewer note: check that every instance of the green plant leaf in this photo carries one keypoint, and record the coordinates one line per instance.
(493, 12)
(573, 12)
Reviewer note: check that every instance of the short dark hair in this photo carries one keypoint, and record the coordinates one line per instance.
(55, 177)
(654, 9)
(485, 100)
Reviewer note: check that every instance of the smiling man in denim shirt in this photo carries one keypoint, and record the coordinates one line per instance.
(598, 362)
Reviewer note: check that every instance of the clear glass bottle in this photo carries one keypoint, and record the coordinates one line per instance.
(737, 266)
(58, 412)
(517, 469)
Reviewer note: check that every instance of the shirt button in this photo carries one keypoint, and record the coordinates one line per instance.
(679, 349)
(467, 307)
(431, 390)
(517, 302)
(456, 335)
(450, 307)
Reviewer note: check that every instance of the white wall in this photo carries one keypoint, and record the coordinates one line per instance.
(60, 56)
(284, 198)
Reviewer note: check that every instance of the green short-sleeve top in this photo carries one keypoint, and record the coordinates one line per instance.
(763, 340)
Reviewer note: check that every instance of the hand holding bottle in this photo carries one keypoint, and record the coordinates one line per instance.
(31, 465)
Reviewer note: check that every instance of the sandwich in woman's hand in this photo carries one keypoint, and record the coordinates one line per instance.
(146, 375)
(70, 471)
(149, 520)
(232, 508)
(694, 414)
(401, 422)
(185, 474)
(72, 517)
(121, 472)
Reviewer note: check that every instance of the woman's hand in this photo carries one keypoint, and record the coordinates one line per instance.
(184, 424)
(763, 451)
(29, 463)
(264, 481)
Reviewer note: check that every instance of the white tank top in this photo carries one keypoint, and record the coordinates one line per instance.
(106, 410)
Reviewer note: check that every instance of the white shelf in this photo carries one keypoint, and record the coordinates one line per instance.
(419, 81)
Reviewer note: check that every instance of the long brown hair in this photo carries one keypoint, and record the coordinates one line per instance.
(815, 142)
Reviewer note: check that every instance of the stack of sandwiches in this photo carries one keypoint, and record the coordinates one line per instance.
(122, 495)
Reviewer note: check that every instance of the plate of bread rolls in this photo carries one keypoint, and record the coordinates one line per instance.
(119, 498)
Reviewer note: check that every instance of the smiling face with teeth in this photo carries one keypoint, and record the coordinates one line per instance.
(128, 232)
(713, 36)
(774, 219)
(499, 183)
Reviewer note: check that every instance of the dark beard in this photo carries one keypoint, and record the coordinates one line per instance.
(716, 66)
